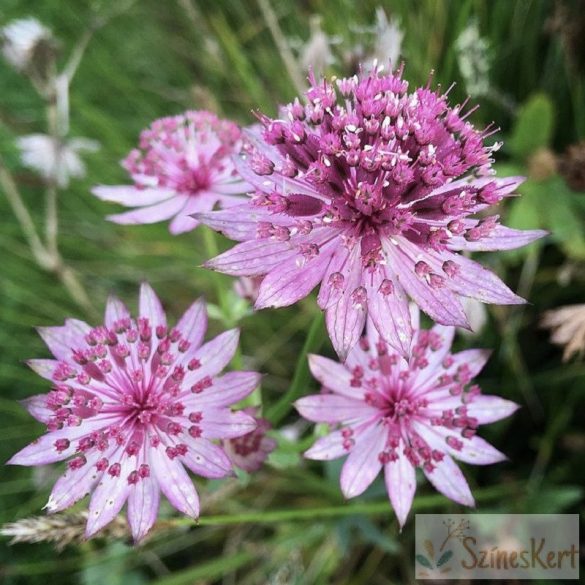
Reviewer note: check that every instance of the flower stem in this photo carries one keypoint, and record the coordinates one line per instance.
(40, 254)
(290, 63)
(47, 260)
(223, 300)
(211, 250)
(313, 342)
(57, 124)
(52, 220)
(367, 508)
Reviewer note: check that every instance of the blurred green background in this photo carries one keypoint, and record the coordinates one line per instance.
(159, 58)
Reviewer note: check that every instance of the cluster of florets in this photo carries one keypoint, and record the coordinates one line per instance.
(249, 452)
(371, 153)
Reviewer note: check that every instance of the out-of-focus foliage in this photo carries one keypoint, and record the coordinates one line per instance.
(160, 58)
(534, 127)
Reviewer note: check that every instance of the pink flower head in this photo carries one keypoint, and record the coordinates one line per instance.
(183, 166)
(393, 415)
(368, 190)
(133, 403)
(249, 452)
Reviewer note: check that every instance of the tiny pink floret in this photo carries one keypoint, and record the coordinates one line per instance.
(249, 452)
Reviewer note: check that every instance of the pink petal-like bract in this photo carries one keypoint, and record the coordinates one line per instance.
(389, 413)
(134, 402)
(183, 166)
(248, 287)
(249, 452)
(369, 191)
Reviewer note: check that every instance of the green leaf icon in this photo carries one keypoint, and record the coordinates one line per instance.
(424, 561)
(444, 557)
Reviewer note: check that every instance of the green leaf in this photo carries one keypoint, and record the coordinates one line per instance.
(282, 459)
(549, 205)
(444, 558)
(524, 212)
(534, 126)
(523, 215)
(566, 222)
(373, 535)
(554, 500)
(424, 561)
(208, 570)
(558, 210)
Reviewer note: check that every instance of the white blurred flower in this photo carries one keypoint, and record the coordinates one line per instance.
(54, 160)
(476, 316)
(316, 52)
(389, 36)
(293, 432)
(473, 59)
(568, 328)
(20, 39)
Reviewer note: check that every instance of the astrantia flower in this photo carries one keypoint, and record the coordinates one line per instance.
(249, 452)
(368, 190)
(133, 403)
(183, 166)
(387, 414)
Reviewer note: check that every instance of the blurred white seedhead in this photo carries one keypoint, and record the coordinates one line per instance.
(55, 160)
(473, 60)
(389, 36)
(22, 40)
(316, 52)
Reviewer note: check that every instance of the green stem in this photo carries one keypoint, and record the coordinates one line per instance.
(57, 129)
(211, 250)
(24, 218)
(511, 326)
(290, 63)
(313, 342)
(366, 508)
(209, 569)
(223, 301)
(547, 445)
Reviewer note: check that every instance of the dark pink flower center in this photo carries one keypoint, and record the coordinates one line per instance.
(132, 377)
(373, 156)
(394, 392)
(195, 181)
(183, 153)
